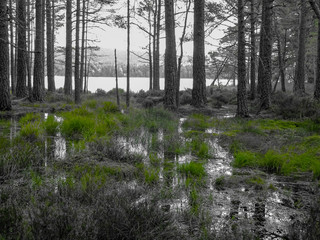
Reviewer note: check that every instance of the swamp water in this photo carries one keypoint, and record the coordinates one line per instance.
(273, 212)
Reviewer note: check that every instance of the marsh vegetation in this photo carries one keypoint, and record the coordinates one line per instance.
(91, 171)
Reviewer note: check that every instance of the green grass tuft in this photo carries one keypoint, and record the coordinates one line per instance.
(192, 169)
(51, 125)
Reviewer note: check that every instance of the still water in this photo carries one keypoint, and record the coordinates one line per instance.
(136, 84)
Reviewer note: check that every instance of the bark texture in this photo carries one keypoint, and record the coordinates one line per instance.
(38, 93)
(50, 58)
(156, 53)
(170, 57)
(68, 62)
(253, 50)
(5, 102)
(242, 108)
(298, 84)
(77, 57)
(265, 63)
(317, 81)
(199, 72)
(21, 90)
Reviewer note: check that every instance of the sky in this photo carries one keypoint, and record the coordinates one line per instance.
(109, 37)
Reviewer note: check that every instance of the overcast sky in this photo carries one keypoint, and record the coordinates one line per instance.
(116, 38)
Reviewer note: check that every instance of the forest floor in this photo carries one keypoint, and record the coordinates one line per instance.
(91, 171)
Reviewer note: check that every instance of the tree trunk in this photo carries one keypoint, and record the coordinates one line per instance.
(188, 5)
(29, 54)
(50, 60)
(12, 55)
(150, 48)
(83, 40)
(253, 50)
(21, 90)
(128, 55)
(170, 57)
(265, 65)
(242, 109)
(199, 72)
(116, 73)
(77, 57)
(68, 62)
(38, 93)
(281, 59)
(317, 80)
(156, 60)
(5, 102)
(298, 84)
(43, 9)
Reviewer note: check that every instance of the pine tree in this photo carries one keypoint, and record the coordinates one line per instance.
(5, 102)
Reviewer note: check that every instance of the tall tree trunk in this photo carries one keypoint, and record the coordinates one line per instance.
(116, 73)
(12, 55)
(38, 93)
(199, 72)
(281, 60)
(150, 48)
(128, 55)
(43, 42)
(188, 5)
(53, 37)
(156, 60)
(261, 50)
(5, 102)
(77, 57)
(86, 67)
(317, 80)
(68, 62)
(265, 64)
(242, 108)
(29, 55)
(298, 84)
(253, 50)
(50, 59)
(83, 40)
(21, 90)
(170, 57)
(154, 38)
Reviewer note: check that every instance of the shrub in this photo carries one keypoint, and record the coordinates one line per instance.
(100, 92)
(110, 107)
(185, 98)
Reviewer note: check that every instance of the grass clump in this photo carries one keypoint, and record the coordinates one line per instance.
(29, 117)
(31, 131)
(244, 159)
(51, 125)
(77, 126)
(197, 122)
(110, 107)
(150, 174)
(192, 169)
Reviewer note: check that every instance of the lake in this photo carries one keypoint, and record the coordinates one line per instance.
(136, 84)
